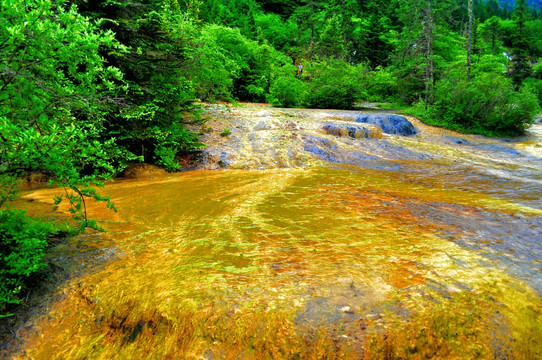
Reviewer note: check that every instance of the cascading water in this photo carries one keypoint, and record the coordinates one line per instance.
(339, 247)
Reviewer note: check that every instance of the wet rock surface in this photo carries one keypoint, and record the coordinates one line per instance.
(348, 231)
(263, 138)
(355, 132)
(390, 124)
(142, 170)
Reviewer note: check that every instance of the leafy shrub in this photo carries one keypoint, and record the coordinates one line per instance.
(225, 64)
(286, 91)
(332, 84)
(487, 104)
(330, 96)
(22, 244)
(166, 142)
(165, 156)
(381, 85)
(536, 86)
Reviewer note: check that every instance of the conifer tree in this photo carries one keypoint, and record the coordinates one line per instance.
(491, 28)
(307, 14)
(469, 39)
(428, 49)
(506, 12)
(521, 68)
(331, 42)
(376, 48)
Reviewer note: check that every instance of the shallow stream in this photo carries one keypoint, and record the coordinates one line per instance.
(402, 256)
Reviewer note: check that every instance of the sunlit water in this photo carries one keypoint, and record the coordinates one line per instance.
(437, 257)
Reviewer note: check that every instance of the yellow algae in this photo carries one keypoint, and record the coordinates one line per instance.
(285, 264)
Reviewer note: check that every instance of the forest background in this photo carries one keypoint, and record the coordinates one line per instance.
(88, 87)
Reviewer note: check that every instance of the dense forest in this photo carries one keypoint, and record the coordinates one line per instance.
(536, 5)
(88, 87)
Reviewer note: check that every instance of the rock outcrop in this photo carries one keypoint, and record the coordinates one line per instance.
(390, 124)
(352, 131)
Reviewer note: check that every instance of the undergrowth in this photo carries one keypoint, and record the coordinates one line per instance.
(23, 240)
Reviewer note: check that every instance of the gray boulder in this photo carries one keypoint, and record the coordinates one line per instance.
(390, 124)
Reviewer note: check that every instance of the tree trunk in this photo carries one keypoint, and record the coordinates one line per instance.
(469, 41)
(493, 41)
(343, 13)
(429, 67)
(312, 29)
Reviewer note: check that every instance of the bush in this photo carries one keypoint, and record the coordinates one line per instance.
(486, 105)
(536, 86)
(382, 85)
(167, 142)
(332, 85)
(330, 96)
(22, 244)
(224, 64)
(286, 91)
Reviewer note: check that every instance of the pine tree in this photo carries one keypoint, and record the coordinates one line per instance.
(492, 8)
(307, 17)
(469, 40)
(331, 42)
(521, 68)
(491, 28)
(210, 11)
(506, 12)
(428, 34)
(376, 49)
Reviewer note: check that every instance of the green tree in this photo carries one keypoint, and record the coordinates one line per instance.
(332, 84)
(284, 8)
(428, 42)
(521, 67)
(408, 59)
(151, 109)
(56, 91)
(535, 35)
(376, 47)
(211, 11)
(224, 64)
(331, 42)
(282, 35)
(469, 38)
(491, 29)
(492, 9)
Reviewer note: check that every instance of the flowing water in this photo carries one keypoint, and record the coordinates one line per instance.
(434, 252)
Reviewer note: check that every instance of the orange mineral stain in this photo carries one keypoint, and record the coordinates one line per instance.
(287, 263)
(320, 261)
